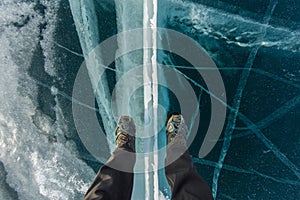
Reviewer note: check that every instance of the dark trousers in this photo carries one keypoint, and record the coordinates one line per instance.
(185, 182)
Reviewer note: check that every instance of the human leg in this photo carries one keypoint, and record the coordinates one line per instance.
(114, 180)
(183, 178)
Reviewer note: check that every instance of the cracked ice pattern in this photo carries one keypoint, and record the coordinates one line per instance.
(257, 156)
(289, 108)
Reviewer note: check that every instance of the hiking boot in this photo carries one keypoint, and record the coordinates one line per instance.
(176, 129)
(125, 133)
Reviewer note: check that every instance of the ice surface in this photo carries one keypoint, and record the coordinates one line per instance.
(257, 156)
(130, 15)
(86, 22)
(233, 29)
(36, 167)
(237, 99)
(194, 19)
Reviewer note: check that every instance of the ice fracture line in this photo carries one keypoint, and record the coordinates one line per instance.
(237, 99)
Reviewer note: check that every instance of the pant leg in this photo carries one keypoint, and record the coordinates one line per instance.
(113, 184)
(183, 178)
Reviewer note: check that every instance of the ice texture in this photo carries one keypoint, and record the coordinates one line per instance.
(257, 54)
